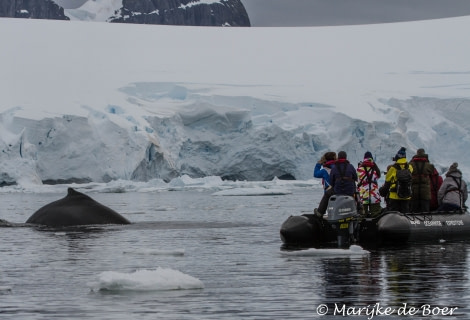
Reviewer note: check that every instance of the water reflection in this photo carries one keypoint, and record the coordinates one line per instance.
(415, 276)
(426, 274)
(351, 280)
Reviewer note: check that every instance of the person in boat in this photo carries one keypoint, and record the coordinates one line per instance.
(343, 178)
(436, 183)
(453, 193)
(384, 191)
(368, 175)
(394, 183)
(421, 182)
(323, 167)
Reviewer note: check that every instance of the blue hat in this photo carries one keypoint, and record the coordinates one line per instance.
(401, 153)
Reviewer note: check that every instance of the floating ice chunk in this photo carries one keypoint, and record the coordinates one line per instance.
(353, 250)
(251, 192)
(159, 279)
(5, 289)
(158, 252)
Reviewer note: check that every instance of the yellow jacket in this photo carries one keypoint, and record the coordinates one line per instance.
(391, 177)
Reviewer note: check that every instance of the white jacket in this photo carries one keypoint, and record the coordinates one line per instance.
(449, 191)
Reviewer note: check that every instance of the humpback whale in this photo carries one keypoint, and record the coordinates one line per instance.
(73, 210)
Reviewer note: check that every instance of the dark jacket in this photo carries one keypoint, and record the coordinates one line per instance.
(421, 182)
(343, 177)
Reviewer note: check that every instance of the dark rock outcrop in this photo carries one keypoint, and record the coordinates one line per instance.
(34, 9)
(183, 12)
(167, 12)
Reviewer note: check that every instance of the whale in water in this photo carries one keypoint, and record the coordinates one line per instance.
(75, 209)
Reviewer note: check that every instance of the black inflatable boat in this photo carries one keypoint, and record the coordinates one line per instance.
(342, 226)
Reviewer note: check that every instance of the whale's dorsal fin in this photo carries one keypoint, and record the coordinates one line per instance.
(72, 192)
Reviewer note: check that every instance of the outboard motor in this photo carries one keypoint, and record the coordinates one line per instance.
(341, 214)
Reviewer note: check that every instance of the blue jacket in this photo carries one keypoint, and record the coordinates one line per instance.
(345, 184)
(323, 172)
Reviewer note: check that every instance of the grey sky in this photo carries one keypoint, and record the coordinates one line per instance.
(338, 12)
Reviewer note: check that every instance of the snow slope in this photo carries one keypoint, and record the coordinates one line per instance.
(97, 101)
(100, 10)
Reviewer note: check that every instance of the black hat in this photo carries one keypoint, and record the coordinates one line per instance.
(367, 155)
(401, 153)
(342, 155)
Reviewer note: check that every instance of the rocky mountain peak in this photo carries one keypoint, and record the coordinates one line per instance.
(34, 9)
(167, 12)
(183, 12)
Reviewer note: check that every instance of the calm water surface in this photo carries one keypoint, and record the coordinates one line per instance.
(232, 245)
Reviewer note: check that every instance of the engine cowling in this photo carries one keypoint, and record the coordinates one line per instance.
(341, 215)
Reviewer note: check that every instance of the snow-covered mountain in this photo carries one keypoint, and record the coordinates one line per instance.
(97, 102)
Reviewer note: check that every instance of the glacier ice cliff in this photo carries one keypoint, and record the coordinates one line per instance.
(237, 138)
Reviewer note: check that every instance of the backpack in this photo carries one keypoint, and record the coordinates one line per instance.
(403, 181)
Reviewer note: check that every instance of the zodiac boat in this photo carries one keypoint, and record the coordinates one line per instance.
(344, 226)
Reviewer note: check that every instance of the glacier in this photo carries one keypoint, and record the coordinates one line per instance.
(85, 102)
